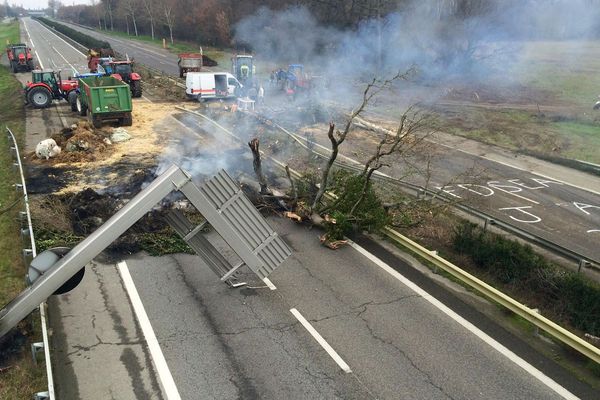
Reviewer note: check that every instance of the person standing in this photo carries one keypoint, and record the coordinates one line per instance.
(260, 98)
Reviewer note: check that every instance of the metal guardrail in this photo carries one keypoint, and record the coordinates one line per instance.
(28, 231)
(525, 312)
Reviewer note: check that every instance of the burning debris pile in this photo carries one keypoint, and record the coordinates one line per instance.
(67, 219)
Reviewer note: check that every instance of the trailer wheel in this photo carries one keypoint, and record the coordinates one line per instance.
(136, 89)
(81, 107)
(40, 97)
(72, 99)
(127, 120)
(96, 121)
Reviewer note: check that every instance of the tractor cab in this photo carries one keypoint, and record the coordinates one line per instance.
(47, 77)
(295, 71)
(19, 51)
(122, 68)
(243, 68)
(123, 71)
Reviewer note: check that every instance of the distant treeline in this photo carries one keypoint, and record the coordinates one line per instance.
(213, 21)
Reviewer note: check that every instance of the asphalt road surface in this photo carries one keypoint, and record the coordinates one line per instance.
(392, 339)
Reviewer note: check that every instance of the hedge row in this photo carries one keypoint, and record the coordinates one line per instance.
(564, 294)
(87, 41)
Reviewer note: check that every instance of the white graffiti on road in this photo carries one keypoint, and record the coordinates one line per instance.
(534, 218)
(517, 188)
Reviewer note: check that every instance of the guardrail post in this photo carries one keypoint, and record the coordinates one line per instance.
(41, 396)
(536, 329)
(35, 349)
(488, 221)
(583, 263)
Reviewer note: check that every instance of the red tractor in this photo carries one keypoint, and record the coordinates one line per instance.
(19, 57)
(47, 85)
(123, 71)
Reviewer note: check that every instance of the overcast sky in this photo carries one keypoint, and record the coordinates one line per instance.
(39, 4)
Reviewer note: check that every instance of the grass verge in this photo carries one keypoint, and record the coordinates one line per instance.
(19, 377)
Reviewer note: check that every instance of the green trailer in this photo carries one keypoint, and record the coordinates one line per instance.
(104, 98)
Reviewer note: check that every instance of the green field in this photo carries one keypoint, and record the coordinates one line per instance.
(22, 379)
(541, 103)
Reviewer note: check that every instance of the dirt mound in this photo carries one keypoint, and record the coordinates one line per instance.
(79, 143)
(208, 62)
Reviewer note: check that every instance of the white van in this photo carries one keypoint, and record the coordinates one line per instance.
(211, 85)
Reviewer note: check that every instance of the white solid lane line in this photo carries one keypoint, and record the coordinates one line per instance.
(39, 60)
(469, 326)
(164, 374)
(332, 353)
(269, 284)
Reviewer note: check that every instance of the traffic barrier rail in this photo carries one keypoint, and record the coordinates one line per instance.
(493, 294)
(28, 231)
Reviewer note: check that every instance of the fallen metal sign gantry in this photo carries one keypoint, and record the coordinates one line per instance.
(220, 201)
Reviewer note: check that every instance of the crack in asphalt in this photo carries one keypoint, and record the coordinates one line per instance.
(244, 386)
(129, 360)
(390, 343)
(80, 348)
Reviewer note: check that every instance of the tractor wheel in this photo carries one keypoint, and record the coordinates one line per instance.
(30, 66)
(96, 121)
(39, 97)
(136, 89)
(181, 71)
(15, 67)
(72, 99)
(127, 120)
(81, 107)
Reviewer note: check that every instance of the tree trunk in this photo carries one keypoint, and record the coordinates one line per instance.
(152, 27)
(325, 175)
(134, 23)
(257, 164)
(112, 28)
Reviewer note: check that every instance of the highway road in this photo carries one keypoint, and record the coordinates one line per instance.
(391, 334)
(554, 203)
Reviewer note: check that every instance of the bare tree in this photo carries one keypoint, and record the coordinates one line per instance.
(109, 6)
(372, 89)
(390, 145)
(168, 16)
(150, 7)
(129, 8)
